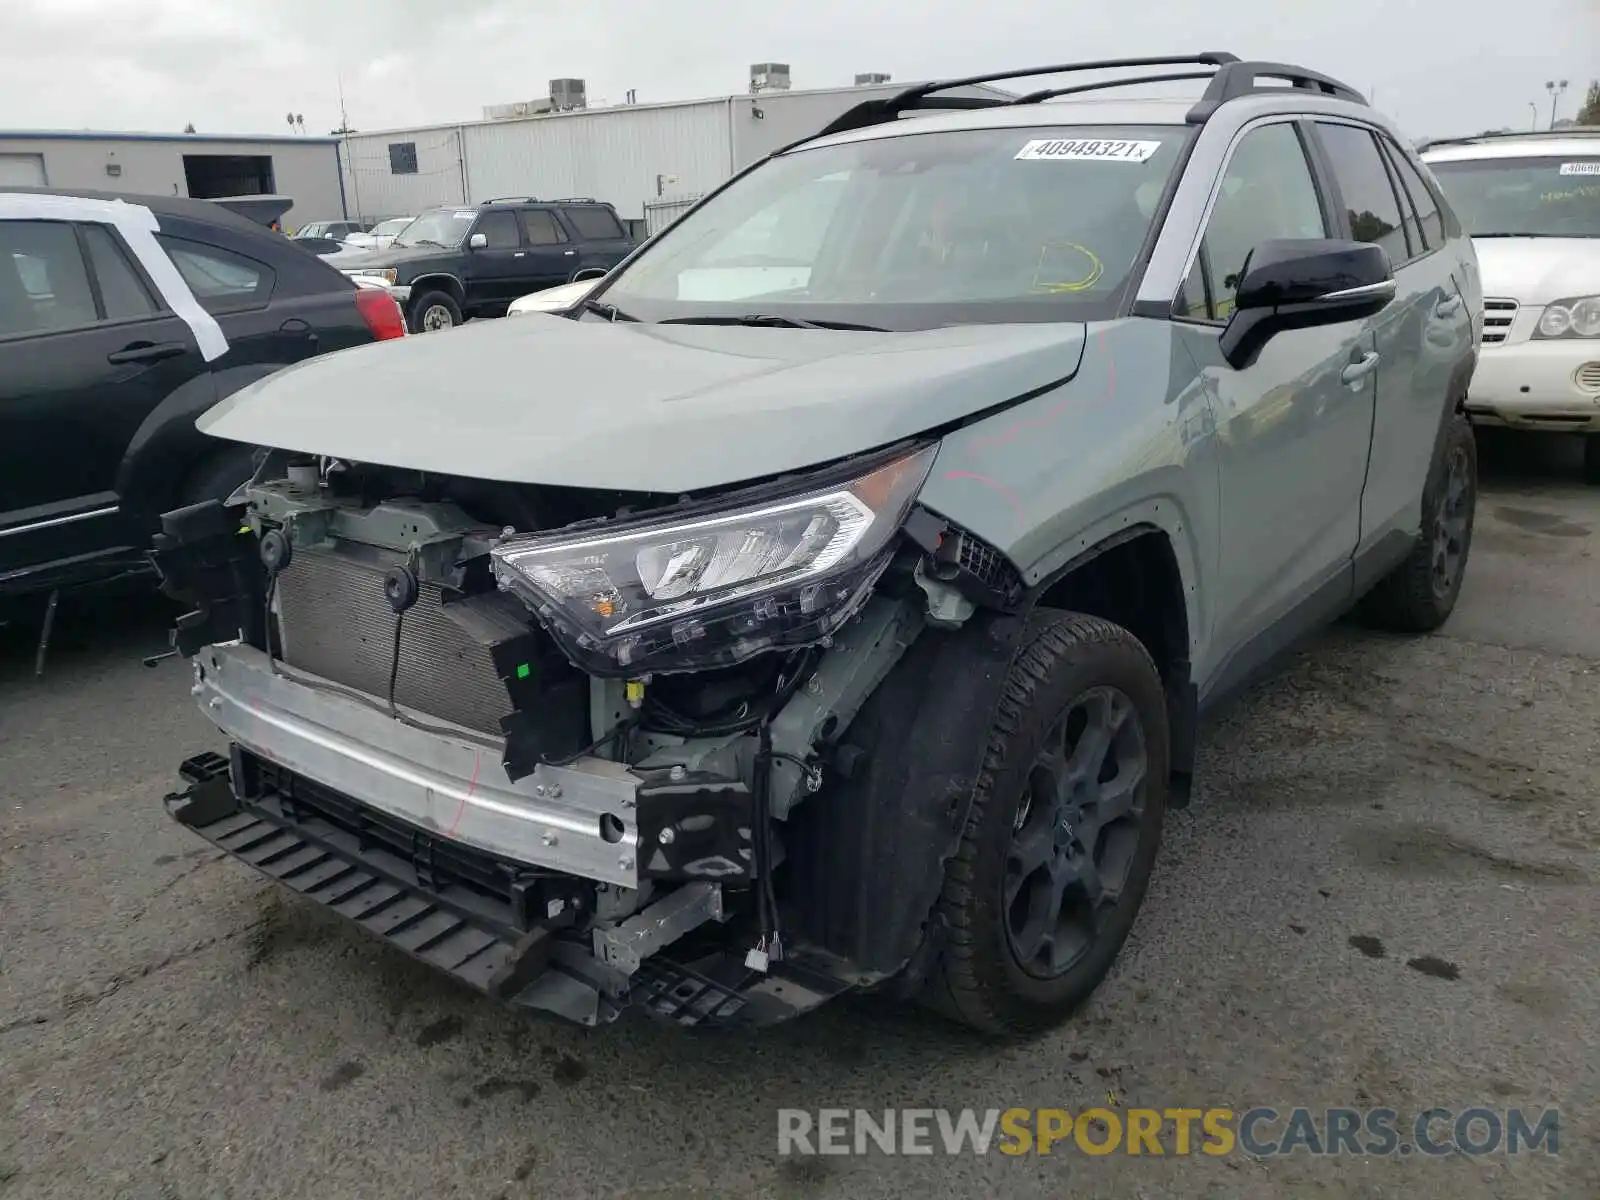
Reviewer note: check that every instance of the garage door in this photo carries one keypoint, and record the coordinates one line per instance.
(22, 170)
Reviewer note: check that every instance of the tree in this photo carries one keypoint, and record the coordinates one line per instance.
(1589, 114)
(189, 128)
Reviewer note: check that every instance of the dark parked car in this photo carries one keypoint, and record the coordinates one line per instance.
(122, 319)
(473, 261)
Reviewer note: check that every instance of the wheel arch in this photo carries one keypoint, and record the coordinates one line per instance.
(167, 448)
(910, 803)
(440, 281)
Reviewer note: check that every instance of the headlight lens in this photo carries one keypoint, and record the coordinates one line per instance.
(717, 588)
(1579, 317)
(387, 274)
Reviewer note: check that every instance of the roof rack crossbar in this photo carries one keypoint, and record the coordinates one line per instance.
(1052, 93)
(1236, 79)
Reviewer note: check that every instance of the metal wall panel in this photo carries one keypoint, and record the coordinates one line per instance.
(374, 191)
(624, 155)
(305, 170)
(789, 116)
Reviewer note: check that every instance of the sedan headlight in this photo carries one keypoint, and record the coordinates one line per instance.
(717, 586)
(1579, 317)
(387, 274)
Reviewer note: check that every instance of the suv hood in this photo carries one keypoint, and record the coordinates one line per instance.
(1539, 270)
(636, 407)
(392, 255)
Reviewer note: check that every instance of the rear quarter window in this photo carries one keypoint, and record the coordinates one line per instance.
(594, 224)
(221, 280)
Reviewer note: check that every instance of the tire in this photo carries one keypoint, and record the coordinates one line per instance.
(1591, 458)
(1419, 594)
(987, 975)
(430, 310)
(215, 478)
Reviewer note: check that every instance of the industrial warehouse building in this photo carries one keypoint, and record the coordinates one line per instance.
(651, 161)
(177, 164)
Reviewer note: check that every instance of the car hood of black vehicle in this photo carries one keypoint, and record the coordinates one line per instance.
(396, 256)
(639, 407)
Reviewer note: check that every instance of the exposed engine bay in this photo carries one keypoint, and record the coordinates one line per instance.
(539, 736)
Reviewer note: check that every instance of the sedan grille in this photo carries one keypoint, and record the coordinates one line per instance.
(336, 623)
(1497, 318)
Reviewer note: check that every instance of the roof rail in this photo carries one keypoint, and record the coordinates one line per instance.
(1230, 79)
(877, 112)
(509, 200)
(1496, 135)
(574, 200)
(1236, 79)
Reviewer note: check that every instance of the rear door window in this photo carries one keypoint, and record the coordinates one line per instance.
(220, 279)
(542, 227)
(122, 293)
(593, 223)
(44, 284)
(1369, 198)
(1429, 219)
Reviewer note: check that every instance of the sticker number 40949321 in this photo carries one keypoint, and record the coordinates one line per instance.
(1085, 149)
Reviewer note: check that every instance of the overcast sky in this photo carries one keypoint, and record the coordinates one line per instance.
(238, 66)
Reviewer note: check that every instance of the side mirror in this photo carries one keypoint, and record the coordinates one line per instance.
(478, 241)
(1300, 283)
(590, 273)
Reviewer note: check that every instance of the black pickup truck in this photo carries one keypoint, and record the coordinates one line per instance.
(473, 260)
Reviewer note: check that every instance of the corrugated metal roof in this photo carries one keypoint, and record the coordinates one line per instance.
(106, 135)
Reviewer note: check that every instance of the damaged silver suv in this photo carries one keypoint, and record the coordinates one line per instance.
(930, 479)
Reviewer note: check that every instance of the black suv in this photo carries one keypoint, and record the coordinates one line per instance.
(122, 319)
(472, 261)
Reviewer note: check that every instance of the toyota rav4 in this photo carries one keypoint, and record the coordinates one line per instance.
(853, 632)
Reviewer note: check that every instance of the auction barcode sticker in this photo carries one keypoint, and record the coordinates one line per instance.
(1577, 168)
(1084, 149)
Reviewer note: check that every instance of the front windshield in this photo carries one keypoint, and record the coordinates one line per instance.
(1537, 197)
(442, 227)
(916, 231)
(390, 227)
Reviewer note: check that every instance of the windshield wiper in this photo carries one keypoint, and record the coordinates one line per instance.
(774, 319)
(422, 242)
(601, 309)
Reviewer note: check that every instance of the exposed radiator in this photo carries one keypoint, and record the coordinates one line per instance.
(335, 623)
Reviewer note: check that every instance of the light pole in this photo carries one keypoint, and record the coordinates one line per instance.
(1535, 107)
(1555, 89)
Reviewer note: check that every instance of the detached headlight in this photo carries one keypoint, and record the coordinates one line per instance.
(1570, 318)
(716, 588)
(387, 274)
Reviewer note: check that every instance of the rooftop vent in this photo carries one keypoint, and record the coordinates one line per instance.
(769, 77)
(568, 94)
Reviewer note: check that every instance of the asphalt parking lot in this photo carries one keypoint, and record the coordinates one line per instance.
(1387, 892)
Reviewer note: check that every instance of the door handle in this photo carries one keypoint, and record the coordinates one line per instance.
(1357, 371)
(1447, 308)
(147, 352)
(519, 254)
(569, 253)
